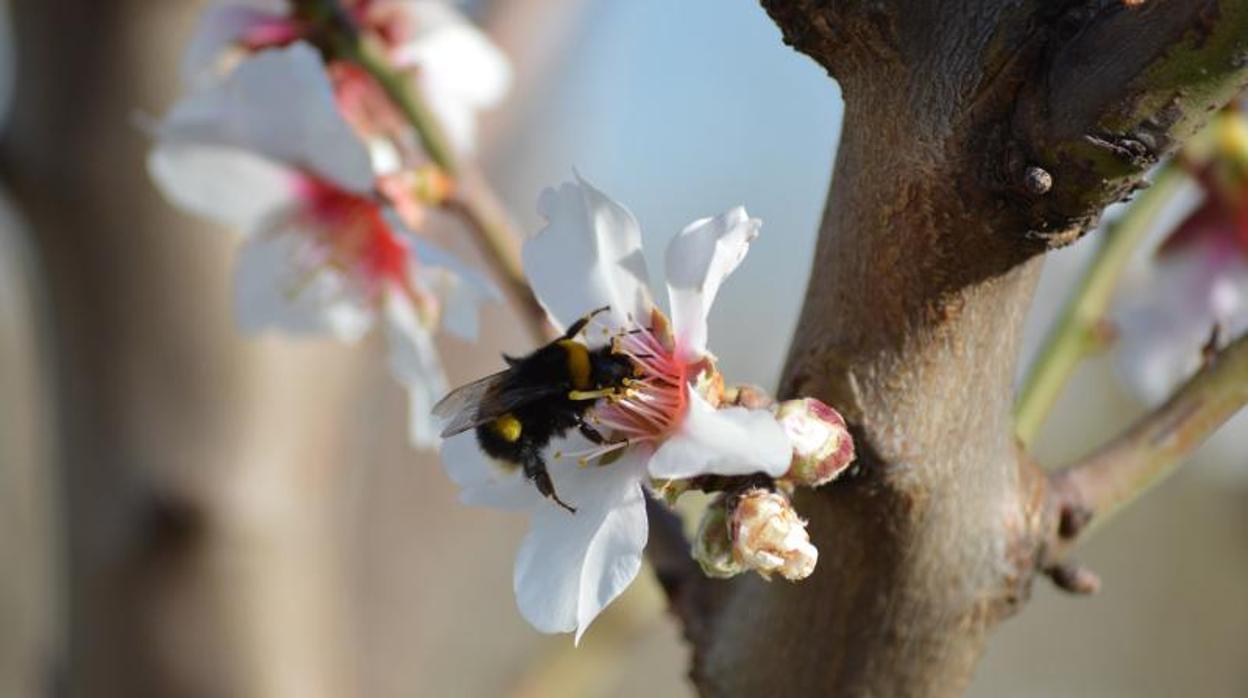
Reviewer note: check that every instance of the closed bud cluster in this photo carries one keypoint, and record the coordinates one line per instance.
(713, 548)
(822, 445)
(769, 538)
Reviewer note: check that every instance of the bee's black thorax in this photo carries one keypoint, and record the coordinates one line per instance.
(566, 365)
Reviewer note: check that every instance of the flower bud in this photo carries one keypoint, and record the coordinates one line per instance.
(750, 397)
(712, 548)
(768, 537)
(822, 445)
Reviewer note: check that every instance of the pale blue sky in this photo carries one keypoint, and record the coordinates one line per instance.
(682, 110)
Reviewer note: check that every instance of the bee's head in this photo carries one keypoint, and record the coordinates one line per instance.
(611, 369)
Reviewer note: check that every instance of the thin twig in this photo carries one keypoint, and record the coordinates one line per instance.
(1080, 331)
(1089, 492)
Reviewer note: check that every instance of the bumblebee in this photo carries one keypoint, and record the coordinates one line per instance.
(539, 397)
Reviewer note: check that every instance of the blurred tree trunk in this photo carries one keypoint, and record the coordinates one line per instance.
(29, 550)
(199, 468)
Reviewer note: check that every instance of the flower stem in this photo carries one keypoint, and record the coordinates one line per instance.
(1079, 332)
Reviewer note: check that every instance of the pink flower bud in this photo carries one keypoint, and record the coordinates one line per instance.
(769, 538)
(822, 445)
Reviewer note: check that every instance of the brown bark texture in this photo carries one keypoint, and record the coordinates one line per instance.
(977, 135)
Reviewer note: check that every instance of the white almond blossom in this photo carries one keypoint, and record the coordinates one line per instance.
(458, 71)
(1193, 280)
(669, 425)
(266, 151)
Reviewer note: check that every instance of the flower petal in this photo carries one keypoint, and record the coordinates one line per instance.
(460, 71)
(274, 291)
(483, 482)
(280, 104)
(1167, 313)
(570, 566)
(697, 262)
(232, 186)
(220, 26)
(588, 256)
(461, 288)
(729, 441)
(415, 362)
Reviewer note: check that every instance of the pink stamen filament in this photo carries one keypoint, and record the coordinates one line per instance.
(352, 235)
(651, 405)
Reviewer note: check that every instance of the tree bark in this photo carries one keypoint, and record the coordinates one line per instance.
(976, 135)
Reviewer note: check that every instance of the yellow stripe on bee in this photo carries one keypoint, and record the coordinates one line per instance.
(508, 427)
(578, 363)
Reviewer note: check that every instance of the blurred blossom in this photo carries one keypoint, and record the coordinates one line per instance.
(668, 423)
(265, 150)
(455, 68)
(1198, 277)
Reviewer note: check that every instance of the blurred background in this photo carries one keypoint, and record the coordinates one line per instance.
(188, 512)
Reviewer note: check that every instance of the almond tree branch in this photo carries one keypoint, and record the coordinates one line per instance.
(1080, 331)
(976, 134)
(1091, 491)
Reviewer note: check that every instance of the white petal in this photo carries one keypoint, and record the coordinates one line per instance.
(483, 482)
(280, 104)
(415, 362)
(219, 27)
(729, 441)
(588, 256)
(459, 287)
(697, 262)
(232, 186)
(1167, 313)
(570, 566)
(273, 291)
(460, 70)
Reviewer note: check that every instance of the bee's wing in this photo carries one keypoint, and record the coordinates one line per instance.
(462, 408)
(478, 402)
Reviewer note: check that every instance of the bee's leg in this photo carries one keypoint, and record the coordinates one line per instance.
(535, 470)
(579, 325)
(592, 394)
(589, 432)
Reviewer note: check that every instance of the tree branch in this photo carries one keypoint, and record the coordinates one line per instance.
(1123, 85)
(1089, 492)
(976, 134)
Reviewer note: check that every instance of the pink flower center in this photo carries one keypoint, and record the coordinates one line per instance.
(353, 237)
(652, 404)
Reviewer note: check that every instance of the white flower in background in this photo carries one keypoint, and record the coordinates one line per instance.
(1195, 280)
(456, 68)
(670, 424)
(265, 150)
